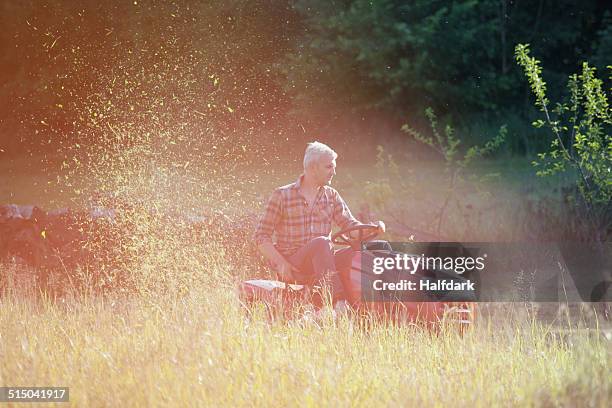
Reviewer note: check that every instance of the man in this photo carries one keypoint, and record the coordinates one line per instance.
(301, 214)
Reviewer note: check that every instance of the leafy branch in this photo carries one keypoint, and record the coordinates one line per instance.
(447, 145)
(581, 134)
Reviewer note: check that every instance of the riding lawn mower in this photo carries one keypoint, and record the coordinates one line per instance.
(428, 308)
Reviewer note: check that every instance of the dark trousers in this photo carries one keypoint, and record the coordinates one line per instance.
(318, 264)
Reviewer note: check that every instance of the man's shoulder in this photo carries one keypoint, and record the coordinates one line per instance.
(284, 191)
(331, 191)
(286, 187)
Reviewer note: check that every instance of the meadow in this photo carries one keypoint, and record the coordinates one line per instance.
(201, 350)
(183, 338)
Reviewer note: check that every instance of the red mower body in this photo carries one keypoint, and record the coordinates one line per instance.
(281, 298)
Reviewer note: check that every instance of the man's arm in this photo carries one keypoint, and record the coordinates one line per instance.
(344, 218)
(263, 236)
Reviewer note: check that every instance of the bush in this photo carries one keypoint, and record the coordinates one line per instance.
(580, 126)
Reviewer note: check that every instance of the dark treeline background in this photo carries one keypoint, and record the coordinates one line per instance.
(284, 71)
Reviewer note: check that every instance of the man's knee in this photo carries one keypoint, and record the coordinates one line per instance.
(321, 244)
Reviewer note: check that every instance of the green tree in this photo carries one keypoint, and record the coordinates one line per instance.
(445, 52)
(581, 127)
(455, 56)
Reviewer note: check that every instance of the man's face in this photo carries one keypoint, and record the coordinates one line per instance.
(324, 170)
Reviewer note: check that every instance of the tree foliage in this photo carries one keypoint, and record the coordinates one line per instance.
(455, 56)
(581, 126)
(456, 160)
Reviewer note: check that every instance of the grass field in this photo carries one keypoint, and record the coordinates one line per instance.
(197, 347)
(201, 350)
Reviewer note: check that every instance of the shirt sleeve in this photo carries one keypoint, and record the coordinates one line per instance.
(342, 215)
(269, 220)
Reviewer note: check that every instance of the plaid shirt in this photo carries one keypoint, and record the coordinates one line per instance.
(295, 223)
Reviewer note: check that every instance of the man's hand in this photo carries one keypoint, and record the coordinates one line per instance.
(284, 270)
(281, 266)
(381, 230)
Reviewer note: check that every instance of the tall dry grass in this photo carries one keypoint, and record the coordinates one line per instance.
(199, 348)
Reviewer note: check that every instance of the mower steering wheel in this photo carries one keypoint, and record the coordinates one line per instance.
(366, 233)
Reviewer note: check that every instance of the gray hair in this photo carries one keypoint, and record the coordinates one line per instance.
(315, 150)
